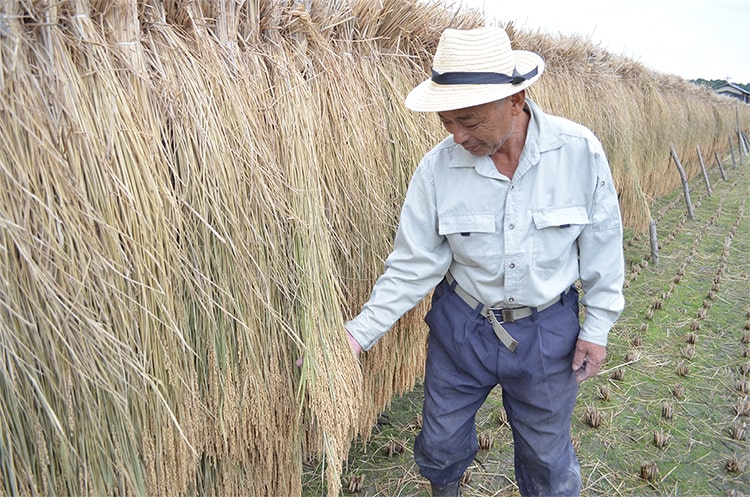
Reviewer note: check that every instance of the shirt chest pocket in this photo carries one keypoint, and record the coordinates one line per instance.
(473, 239)
(555, 235)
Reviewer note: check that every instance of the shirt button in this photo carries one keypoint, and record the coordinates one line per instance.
(512, 265)
(511, 226)
(511, 299)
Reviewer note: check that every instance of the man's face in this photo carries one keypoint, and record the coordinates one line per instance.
(481, 129)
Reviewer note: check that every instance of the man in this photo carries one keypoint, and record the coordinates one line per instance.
(501, 219)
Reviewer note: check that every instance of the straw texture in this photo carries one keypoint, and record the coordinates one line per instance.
(194, 194)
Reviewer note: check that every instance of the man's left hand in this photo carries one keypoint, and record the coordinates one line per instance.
(588, 360)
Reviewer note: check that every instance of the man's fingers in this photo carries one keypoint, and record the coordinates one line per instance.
(588, 369)
(588, 359)
(356, 347)
(584, 372)
(581, 374)
(356, 350)
(578, 359)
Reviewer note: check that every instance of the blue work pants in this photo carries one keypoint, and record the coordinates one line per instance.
(465, 361)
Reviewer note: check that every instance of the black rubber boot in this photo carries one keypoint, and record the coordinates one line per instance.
(448, 490)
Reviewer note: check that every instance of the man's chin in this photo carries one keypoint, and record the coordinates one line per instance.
(475, 150)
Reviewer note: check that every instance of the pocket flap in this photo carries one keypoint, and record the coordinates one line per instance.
(562, 216)
(467, 223)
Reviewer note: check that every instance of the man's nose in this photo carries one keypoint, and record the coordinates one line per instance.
(460, 135)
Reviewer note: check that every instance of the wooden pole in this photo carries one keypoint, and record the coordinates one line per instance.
(705, 173)
(685, 184)
(721, 167)
(654, 242)
(731, 150)
(741, 145)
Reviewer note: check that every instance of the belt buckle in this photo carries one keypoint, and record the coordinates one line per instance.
(506, 314)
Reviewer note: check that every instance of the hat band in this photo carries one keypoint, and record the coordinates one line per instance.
(481, 78)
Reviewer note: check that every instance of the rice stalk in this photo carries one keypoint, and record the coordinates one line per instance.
(195, 194)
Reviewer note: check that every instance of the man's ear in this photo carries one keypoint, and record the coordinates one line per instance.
(517, 100)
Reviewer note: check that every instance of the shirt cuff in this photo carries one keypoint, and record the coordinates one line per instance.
(595, 331)
(360, 333)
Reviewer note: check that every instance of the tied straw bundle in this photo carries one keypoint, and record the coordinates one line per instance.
(194, 194)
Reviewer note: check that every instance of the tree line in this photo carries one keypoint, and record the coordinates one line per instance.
(718, 83)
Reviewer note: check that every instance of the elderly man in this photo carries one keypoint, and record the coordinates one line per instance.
(501, 219)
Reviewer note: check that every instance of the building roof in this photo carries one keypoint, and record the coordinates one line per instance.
(733, 89)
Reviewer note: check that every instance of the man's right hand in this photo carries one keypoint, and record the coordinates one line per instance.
(356, 347)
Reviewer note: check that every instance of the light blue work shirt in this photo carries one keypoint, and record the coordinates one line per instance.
(508, 242)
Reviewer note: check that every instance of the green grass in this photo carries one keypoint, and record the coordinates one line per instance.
(709, 305)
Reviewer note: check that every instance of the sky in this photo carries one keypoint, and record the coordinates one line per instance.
(690, 38)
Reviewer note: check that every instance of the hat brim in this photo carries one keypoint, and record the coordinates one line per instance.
(432, 97)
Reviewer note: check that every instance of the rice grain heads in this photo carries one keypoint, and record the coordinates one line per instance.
(195, 194)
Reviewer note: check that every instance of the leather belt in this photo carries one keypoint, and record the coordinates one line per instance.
(507, 314)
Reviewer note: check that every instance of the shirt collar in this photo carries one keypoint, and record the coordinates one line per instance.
(540, 137)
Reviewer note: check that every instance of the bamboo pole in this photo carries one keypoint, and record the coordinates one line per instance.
(739, 137)
(741, 146)
(731, 151)
(654, 242)
(685, 184)
(705, 173)
(721, 167)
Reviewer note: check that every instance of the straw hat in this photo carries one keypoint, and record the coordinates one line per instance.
(473, 67)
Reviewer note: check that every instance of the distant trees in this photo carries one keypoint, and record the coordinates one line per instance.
(717, 83)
